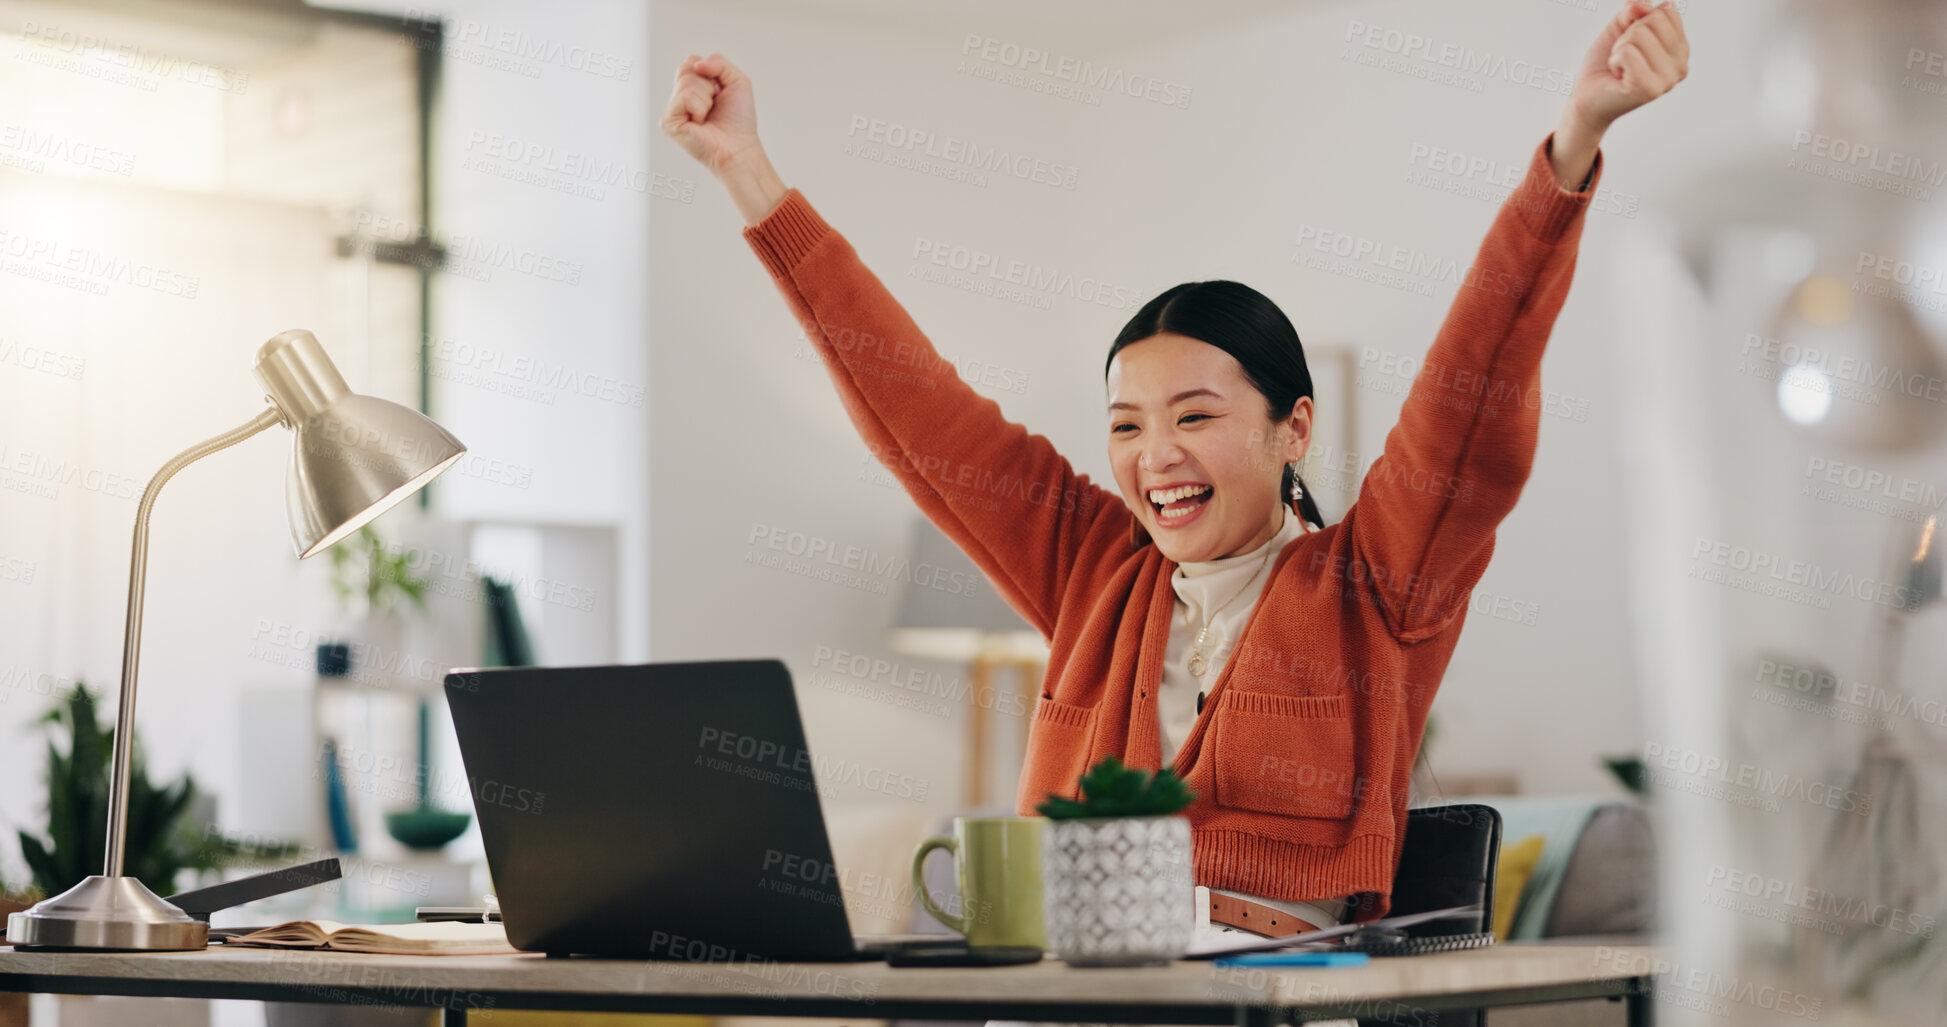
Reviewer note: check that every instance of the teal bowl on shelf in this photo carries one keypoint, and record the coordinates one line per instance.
(426, 827)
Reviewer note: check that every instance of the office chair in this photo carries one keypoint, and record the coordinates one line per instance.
(1448, 859)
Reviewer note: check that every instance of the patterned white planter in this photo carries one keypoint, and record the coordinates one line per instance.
(1118, 891)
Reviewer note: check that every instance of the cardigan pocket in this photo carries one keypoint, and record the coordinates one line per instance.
(1057, 752)
(1284, 754)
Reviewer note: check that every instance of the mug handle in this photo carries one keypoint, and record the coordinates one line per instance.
(958, 923)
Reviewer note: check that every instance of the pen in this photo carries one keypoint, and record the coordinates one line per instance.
(1295, 959)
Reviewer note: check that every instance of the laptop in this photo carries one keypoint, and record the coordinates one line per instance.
(656, 811)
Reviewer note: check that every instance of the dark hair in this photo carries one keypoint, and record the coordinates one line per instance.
(1244, 323)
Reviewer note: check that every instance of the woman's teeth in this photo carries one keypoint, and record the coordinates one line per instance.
(1179, 502)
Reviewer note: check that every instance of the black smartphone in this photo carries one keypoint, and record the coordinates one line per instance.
(959, 953)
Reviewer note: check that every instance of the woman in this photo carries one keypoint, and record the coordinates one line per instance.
(1284, 667)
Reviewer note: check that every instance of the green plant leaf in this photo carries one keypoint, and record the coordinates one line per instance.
(1629, 772)
(361, 566)
(40, 863)
(1059, 808)
(1110, 789)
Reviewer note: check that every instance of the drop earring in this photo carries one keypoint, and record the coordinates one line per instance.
(1297, 494)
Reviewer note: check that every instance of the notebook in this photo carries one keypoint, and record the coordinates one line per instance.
(416, 939)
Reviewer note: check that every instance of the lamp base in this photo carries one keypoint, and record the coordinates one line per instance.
(118, 913)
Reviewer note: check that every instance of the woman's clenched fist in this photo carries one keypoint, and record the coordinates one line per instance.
(711, 112)
(1640, 54)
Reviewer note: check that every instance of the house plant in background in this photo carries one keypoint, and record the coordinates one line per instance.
(1630, 772)
(375, 587)
(162, 841)
(1115, 868)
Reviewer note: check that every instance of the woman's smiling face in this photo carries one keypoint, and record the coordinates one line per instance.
(1184, 421)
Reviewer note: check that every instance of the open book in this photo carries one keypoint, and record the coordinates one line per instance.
(415, 939)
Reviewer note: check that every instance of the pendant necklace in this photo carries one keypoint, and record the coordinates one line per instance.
(1197, 664)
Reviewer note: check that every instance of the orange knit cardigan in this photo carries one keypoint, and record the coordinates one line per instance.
(1301, 756)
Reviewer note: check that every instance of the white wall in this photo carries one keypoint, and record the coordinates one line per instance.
(542, 190)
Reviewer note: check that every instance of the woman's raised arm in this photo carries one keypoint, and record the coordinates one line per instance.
(1004, 495)
(1420, 534)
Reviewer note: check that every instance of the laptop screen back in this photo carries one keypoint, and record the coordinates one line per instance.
(664, 811)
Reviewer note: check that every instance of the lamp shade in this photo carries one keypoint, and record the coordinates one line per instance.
(352, 456)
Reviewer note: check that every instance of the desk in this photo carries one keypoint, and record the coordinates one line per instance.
(1408, 988)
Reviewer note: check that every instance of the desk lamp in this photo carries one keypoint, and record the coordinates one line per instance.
(352, 458)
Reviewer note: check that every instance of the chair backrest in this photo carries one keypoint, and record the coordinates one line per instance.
(1448, 859)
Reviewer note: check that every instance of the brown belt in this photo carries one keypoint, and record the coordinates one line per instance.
(1255, 917)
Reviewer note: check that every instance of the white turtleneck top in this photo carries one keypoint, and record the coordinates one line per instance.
(1230, 586)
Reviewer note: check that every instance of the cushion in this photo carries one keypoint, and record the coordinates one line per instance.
(1609, 885)
(1511, 875)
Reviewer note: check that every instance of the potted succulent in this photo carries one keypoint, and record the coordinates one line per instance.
(1115, 869)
